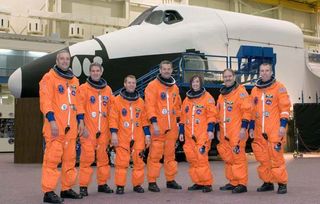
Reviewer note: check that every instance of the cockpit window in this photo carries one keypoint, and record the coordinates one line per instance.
(171, 16)
(168, 17)
(155, 17)
(142, 17)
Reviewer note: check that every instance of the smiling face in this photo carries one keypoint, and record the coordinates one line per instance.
(166, 70)
(63, 61)
(196, 84)
(96, 73)
(130, 84)
(266, 72)
(228, 78)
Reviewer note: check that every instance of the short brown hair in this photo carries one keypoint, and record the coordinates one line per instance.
(230, 70)
(194, 77)
(95, 64)
(165, 62)
(129, 76)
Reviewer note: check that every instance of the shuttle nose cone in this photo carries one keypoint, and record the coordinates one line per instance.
(15, 83)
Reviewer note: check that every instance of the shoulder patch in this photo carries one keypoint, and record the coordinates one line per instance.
(163, 95)
(187, 109)
(92, 99)
(60, 89)
(282, 90)
(211, 100)
(105, 98)
(124, 112)
(242, 95)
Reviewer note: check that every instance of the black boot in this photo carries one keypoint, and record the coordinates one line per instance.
(52, 197)
(104, 189)
(227, 187)
(120, 190)
(240, 189)
(153, 187)
(195, 187)
(282, 189)
(138, 189)
(173, 184)
(70, 194)
(84, 191)
(266, 187)
(206, 188)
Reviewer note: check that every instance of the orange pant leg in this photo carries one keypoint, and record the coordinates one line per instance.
(261, 153)
(138, 168)
(225, 153)
(239, 166)
(229, 174)
(199, 169)
(170, 163)
(191, 157)
(278, 166)
(204, 170)
(86, 159)
(52, 158)
(121, 165)
(69, 172)
(103, 167)
(156, 151)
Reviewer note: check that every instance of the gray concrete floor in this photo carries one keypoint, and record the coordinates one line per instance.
(20, 183)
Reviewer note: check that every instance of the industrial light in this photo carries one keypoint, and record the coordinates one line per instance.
(37, 54)
(5, 51)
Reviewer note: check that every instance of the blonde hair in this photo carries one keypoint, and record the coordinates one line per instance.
(129, 76)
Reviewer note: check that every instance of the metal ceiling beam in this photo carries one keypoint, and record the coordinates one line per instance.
(311, 1)
(294, 5)
(266, 10)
